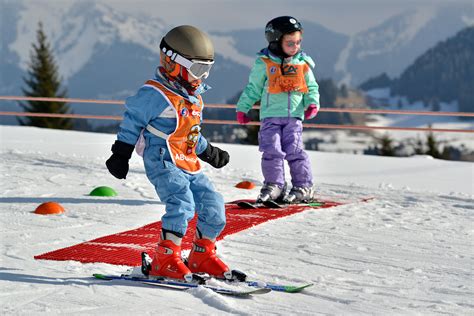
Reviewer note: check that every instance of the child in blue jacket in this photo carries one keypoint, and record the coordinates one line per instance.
(168, 110)
(282, 80)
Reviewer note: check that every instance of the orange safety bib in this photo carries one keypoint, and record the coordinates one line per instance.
(291, 79)
(182, 142)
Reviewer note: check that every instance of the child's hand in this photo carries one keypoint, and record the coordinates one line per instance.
(311, 112)
(242, 118)
(215, 156)
(118, 162)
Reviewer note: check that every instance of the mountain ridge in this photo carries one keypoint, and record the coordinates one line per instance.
(104, 53)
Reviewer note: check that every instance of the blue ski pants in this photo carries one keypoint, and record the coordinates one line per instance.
(184, 194)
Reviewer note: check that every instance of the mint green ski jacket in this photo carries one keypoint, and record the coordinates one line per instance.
(284, 104)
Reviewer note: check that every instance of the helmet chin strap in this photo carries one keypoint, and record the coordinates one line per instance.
(189, 86)
(276, 49)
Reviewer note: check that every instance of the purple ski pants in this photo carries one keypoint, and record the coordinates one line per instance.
(281, 138)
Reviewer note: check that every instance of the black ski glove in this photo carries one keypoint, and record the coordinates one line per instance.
(214, 156)
(118, 162)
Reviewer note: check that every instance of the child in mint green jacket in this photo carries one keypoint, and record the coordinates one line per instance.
(282, 80)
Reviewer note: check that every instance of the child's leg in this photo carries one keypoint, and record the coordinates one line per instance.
(298, 160)
(173, 188)
(269, 140)
(210, 223)
(209, 206)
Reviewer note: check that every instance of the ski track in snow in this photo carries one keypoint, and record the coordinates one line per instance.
(404, 252)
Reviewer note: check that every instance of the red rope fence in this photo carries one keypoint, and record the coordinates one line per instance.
(74, 116)
(230, 106)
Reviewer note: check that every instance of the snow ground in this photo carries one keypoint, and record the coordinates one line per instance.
(407, 252)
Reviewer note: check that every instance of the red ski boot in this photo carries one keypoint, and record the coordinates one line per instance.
(167, 262)
(203, 259)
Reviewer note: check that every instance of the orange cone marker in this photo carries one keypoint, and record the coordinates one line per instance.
(49, 208)
(248, 185)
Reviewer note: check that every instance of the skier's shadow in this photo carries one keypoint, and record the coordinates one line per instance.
(26, 278)
(36, 279)
(37, 200)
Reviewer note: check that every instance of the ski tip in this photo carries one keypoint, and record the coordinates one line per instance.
(316, 204)
(296, 289)
(100, 276)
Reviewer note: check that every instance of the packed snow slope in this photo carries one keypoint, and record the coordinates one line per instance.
(408, 251)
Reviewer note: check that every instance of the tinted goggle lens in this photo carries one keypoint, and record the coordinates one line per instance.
(199, 69)
(293, 43)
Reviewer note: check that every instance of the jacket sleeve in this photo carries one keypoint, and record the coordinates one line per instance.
(254, 90)
(140, 109)
(201, 145)
(312, 96)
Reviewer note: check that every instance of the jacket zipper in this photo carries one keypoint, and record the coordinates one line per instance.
(289, 104)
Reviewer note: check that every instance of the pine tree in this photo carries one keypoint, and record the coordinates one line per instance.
(432, 145)
(43, 81)
(386, 144)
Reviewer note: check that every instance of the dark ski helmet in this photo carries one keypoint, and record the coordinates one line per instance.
(276, 28)
(189, 42)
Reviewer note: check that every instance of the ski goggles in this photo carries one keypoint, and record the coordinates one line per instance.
(292, 43)
(196, 68)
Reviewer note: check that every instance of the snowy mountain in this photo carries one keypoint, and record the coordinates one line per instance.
(406, 252)
(105, 52)
(397, 42)
(89, 36)
(445, 73)
(95, 47)
(79, 32)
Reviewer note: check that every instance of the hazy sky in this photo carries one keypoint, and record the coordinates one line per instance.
(345, 16)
